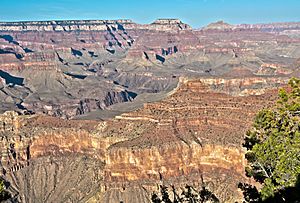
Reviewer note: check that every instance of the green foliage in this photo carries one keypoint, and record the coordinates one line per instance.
(274, 143)
(250, 193)
(4, 195)
(188, 194)
(2, 187)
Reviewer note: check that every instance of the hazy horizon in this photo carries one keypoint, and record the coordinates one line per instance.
(196, 13)
(45, 20)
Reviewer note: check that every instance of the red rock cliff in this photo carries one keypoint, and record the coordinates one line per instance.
(196, 131)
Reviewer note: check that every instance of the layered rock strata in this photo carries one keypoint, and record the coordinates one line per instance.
(197, 131)
(70, 68)
(92, 25)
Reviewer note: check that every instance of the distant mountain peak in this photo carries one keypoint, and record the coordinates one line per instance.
(172, 22)
(219, 25)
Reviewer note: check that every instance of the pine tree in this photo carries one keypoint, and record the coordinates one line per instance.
(274, 143)
(4, 195)
(188, 195)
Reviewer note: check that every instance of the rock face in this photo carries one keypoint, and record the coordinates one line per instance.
(91, 25)
(49, 67)
(205, 86)
(196, 131)
(169, 24)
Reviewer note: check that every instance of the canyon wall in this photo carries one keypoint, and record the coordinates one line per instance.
(106, 73)
(92, 25)
(49, 67)
(197, 131)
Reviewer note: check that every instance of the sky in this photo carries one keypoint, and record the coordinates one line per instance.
(196, 13)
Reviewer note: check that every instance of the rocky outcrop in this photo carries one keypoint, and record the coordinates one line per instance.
(196, 131)
(72, 25)
(220, 25)
(91, 25)
(170, 24)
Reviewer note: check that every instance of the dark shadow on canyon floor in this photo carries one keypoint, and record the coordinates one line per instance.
(9, 79)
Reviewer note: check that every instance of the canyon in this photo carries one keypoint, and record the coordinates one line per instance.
(108, 110)
(48, 67)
